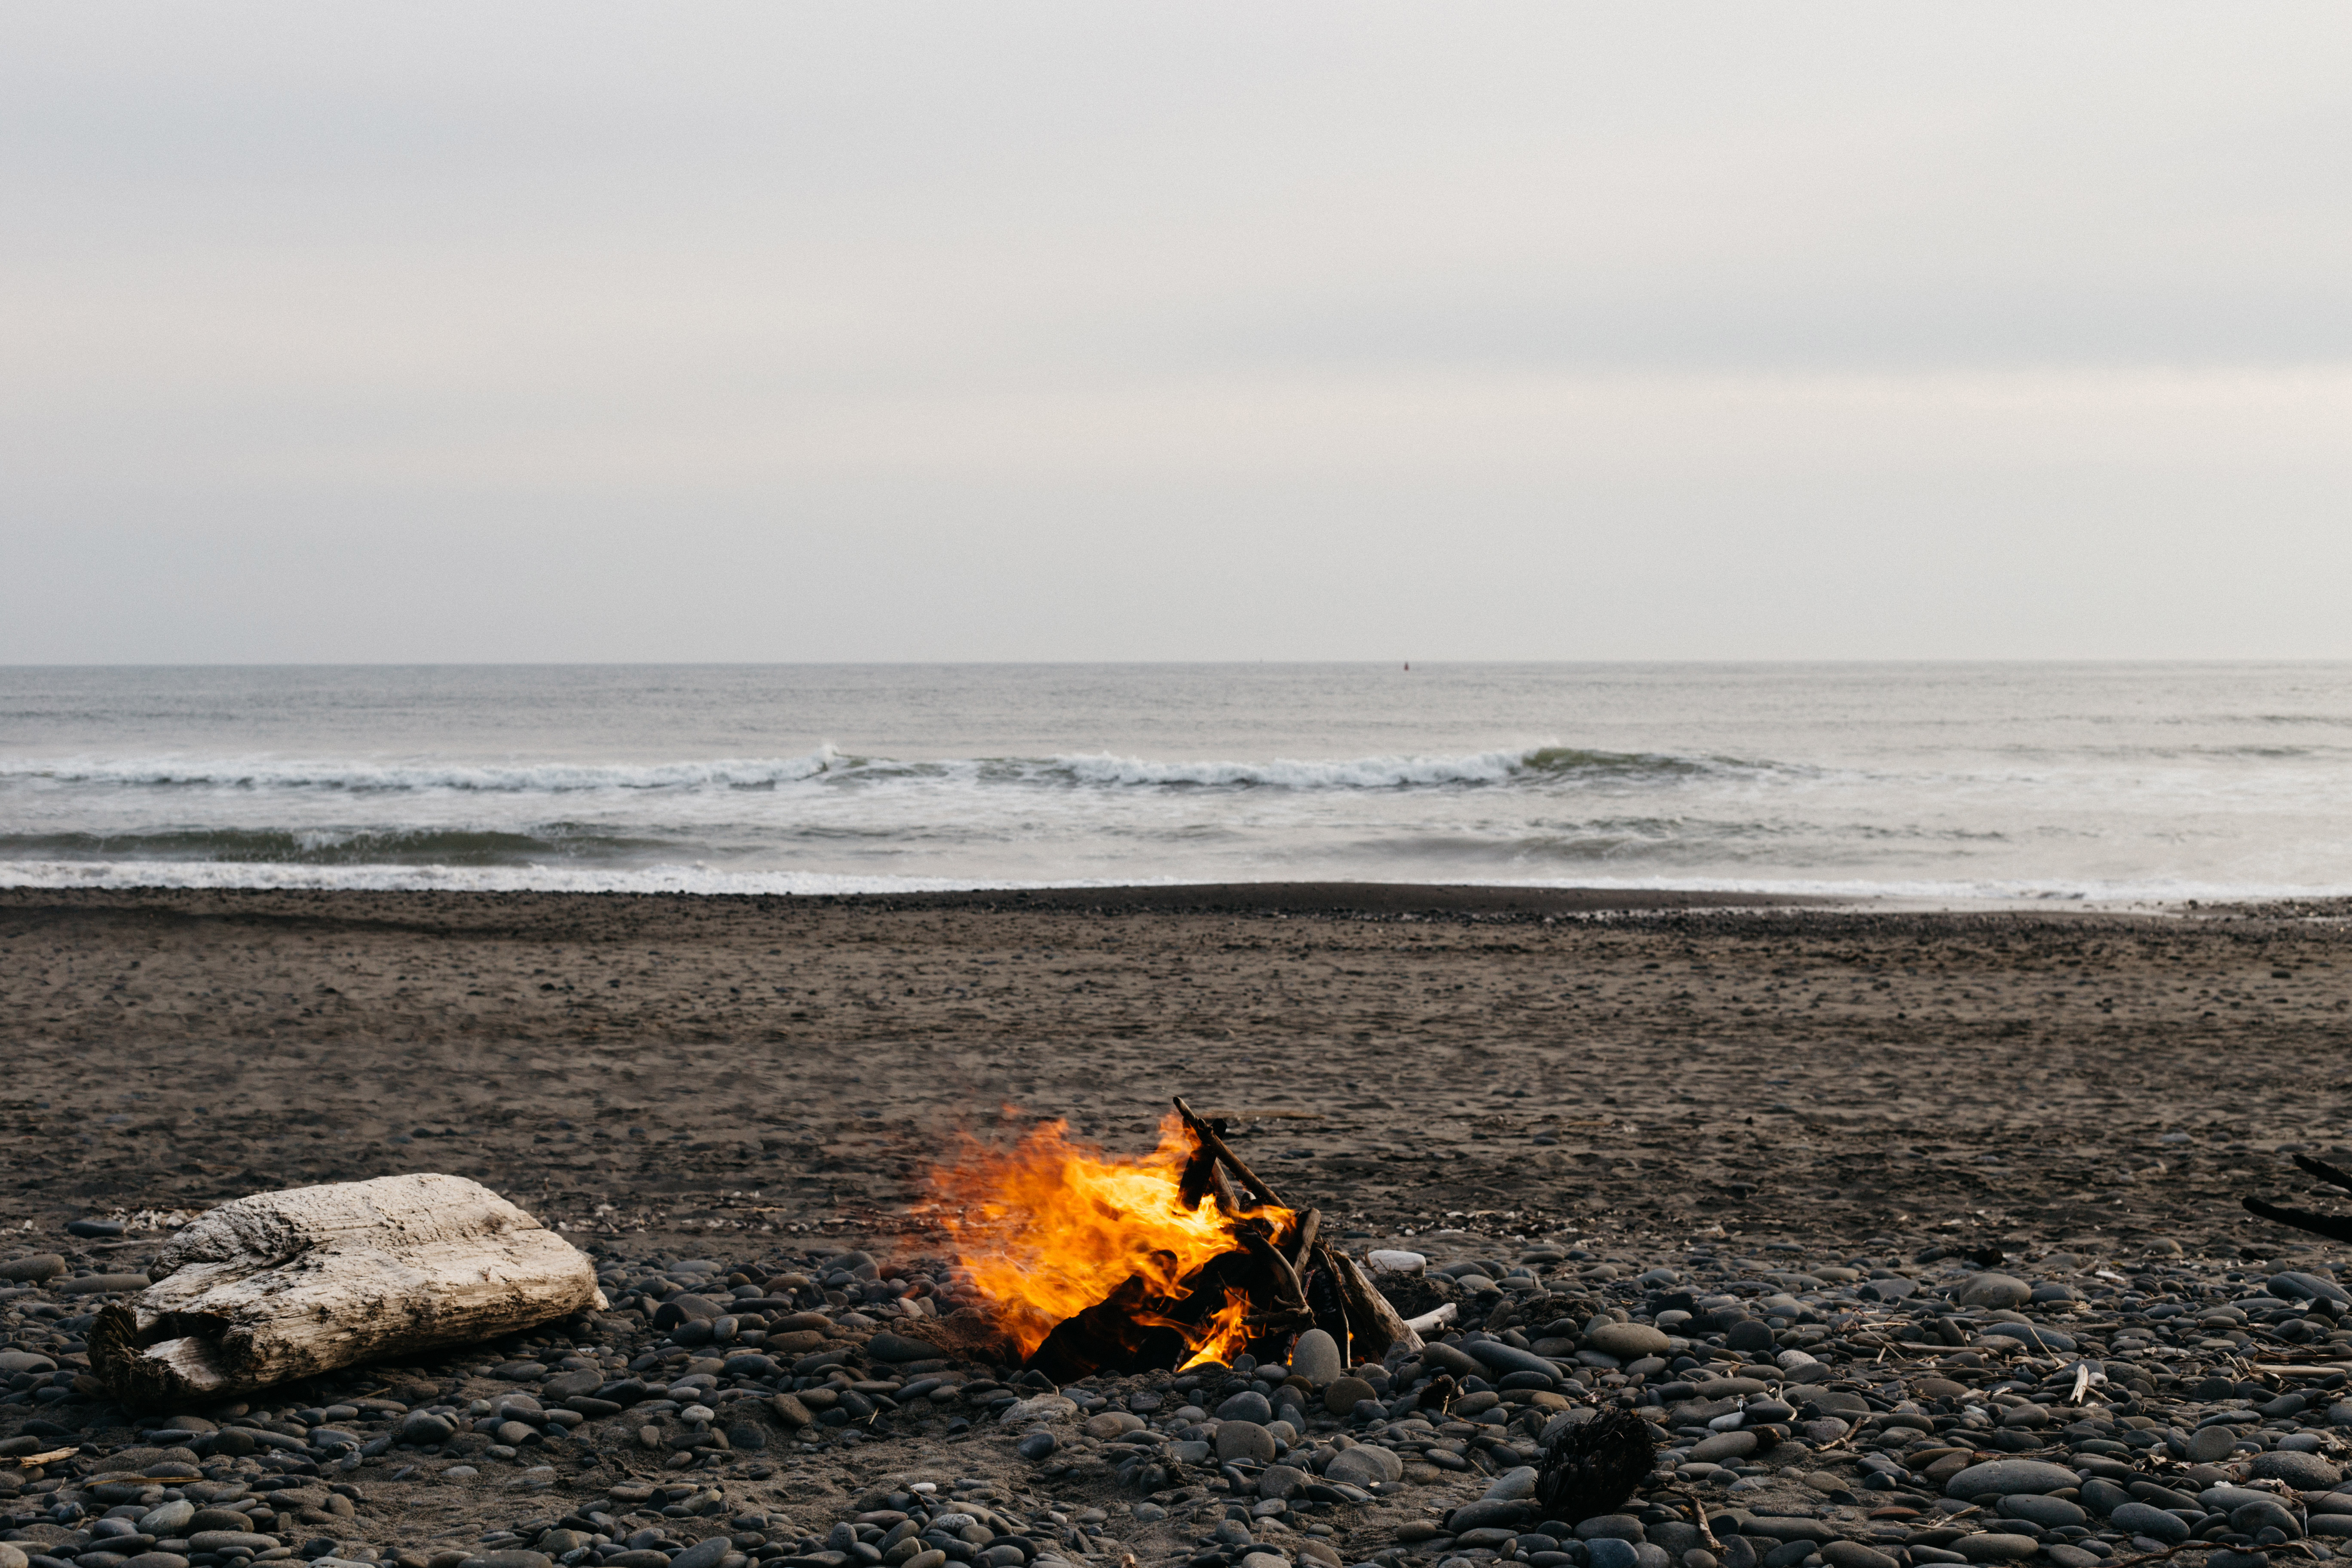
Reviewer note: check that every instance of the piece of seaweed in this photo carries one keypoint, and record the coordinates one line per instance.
(1592, 1467)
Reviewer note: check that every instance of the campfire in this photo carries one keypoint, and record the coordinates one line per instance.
(1179, 1257)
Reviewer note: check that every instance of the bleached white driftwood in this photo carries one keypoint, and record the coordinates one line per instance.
(1436, 1317)
(282, 1285)
(1380, 1334)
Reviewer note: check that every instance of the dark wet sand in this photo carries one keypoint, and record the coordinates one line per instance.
(1494, 1059)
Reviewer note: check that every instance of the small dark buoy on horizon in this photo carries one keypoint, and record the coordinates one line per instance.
(1408, 665)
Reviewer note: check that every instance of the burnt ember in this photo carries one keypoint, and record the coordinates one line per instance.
(1593, 1467)
(1133, 1330)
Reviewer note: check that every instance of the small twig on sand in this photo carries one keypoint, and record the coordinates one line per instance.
(1698, 1509)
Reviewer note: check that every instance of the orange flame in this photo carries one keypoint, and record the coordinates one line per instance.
(1051, 1227)
(1222, 1337)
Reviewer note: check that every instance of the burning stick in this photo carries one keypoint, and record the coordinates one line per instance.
(1370, 1329)
(1309, 1224)
(1207, 1137)
(1286, 1279)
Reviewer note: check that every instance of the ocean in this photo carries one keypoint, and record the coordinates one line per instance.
(2105, 784)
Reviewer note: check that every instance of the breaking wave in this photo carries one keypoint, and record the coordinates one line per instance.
(1536, 766)
(557, 843)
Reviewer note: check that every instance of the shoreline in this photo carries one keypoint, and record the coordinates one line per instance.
(1367, 898)
(1371, 899)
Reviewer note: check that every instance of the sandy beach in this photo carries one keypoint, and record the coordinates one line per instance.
(676, 1067)
(1669, 1114)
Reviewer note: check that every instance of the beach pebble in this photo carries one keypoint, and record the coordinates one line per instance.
(1282, 1481)
(227, 1540)
(2253, 1517)
(1315, 1356)
(1990, 1547)
(2050, 1512)
(2008, 1476)
(167, 1518)
(2295, 1286)
(1853, 1554)
(1393, 1261)
(1725, 1445)
(1498, 1359)
(1237, 1439)
(1041, 1408)
(1611, 1527)
(1345, 1393)
(2209, 1444)
(33, 1266)
(1611, 1552)
(2034, 1336)
(1249, 1405)
(2305, 1472)
(1471, 1517)
(100, 1284)
(1995, 1290)
(1627, 1341)
(887, 1346)
(2146, 1518)
(1365, 1464)
(1512, 1486)
(1443, 1357)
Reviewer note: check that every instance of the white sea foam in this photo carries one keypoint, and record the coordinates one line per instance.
(706, 879)
(498, 878)
(297, 773)
(1536, 765)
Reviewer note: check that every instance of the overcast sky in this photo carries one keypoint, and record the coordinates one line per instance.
(569, 330)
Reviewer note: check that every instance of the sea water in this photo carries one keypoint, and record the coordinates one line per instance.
(1940, 782)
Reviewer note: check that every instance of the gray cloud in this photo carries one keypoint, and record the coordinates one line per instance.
(1220, 331)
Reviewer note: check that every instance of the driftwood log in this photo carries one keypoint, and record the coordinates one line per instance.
(1366, 1327)
(283, 1285)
